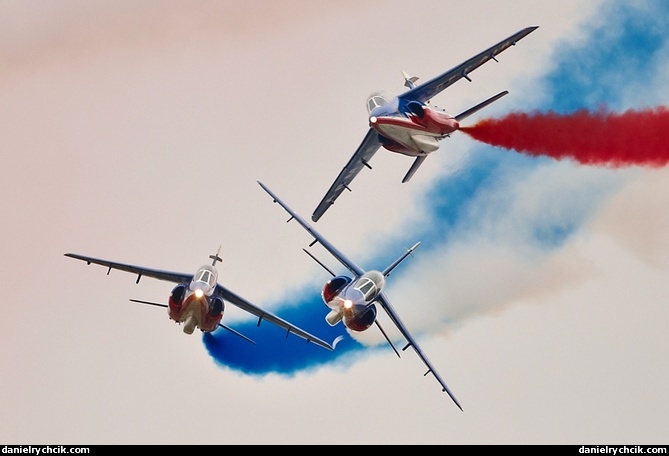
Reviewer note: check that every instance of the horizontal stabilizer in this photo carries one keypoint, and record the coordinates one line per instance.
(236, 332)
(149, 302)
(483, 104)
(319, 262)
(414, 167)
(378, 325)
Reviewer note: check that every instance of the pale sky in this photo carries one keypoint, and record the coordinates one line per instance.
(136, 133)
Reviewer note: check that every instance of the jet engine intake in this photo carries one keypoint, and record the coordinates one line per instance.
(177, 296)
(434, 119)
(216, 307)
(333, 287)
(360, 321)
(417, 109)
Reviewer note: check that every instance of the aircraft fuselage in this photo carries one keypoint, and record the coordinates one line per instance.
(351, 301)
(195, 305)
(411, 128)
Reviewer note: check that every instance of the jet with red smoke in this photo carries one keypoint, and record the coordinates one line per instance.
(408, 124)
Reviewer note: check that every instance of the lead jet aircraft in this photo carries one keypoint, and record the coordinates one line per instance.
(352, 300)
(198, 300)
(408, 124)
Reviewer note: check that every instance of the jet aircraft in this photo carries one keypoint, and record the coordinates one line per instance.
(198, 300)
(352, 300)
(408, 124)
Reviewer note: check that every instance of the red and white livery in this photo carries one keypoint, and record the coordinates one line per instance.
(408, 124)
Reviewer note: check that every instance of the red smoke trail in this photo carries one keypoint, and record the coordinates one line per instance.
(592, 138)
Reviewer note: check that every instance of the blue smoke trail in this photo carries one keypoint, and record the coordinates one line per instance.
(619, 52)
(275, 351)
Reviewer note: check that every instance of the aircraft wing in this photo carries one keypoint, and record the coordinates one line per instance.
(243, 304)
(169, 276)
(226, 294)
(429, 89)
(385, 303)
(348, 264)
(360, 158)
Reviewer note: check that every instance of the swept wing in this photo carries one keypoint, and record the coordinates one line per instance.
(223, 292)
(411, 342)
(427, 90)
(360, 158)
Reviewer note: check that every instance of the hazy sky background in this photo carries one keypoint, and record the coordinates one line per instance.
(136, 132)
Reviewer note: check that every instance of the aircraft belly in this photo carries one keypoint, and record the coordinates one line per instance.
(425, 143)
(417, 141)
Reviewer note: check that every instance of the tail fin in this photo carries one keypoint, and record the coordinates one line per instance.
(386, 272)
(215, 256)
(409, 81)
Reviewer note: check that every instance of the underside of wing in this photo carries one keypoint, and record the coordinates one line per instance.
(168, 276)
(411, 342)
(429, 89)
(243, 304)
(360, 158)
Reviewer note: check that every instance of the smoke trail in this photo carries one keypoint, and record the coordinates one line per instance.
(277, 352)
(638, 138)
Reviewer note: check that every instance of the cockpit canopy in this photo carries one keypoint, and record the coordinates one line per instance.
(377, 99)
(207, 275)
(370, 285)
(367, 287)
